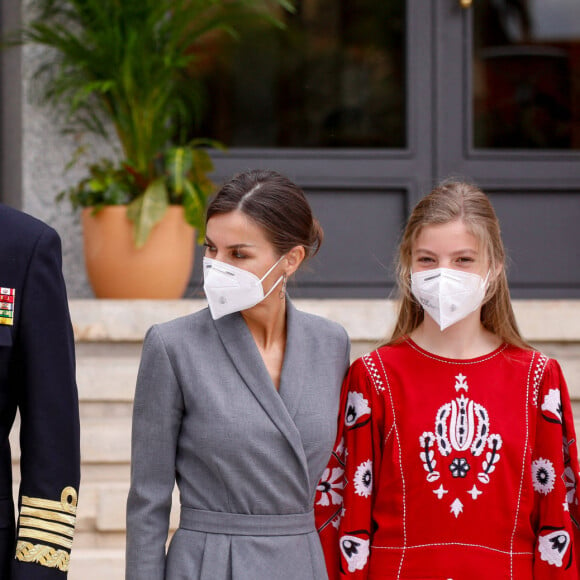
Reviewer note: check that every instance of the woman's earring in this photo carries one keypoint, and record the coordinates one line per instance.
(282, 292)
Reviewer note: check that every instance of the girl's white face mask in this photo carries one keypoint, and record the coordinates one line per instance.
(448, 295)
(230, 289)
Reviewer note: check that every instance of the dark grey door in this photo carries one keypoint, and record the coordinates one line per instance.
(349, 117)
(491, 94)
(508, 116)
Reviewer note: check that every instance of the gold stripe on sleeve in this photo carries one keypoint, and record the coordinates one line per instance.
(45, 537)
(47, 526)
(48, 515)
(67, 503)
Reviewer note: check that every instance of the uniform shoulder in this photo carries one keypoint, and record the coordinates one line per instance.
(15, 220)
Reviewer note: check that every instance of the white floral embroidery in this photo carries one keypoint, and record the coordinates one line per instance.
(363, 479)
(543, 475)
(474, 492)
(461, 382)
(440, 491)
(494, 442)
(356, 407)
(553, 546)
(441, 429)
(427, 442)
(329, 483)
(355, 551)
(553, 403)
(482, 430)
(456, 507)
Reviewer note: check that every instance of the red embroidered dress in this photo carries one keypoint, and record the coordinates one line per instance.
(462, 469)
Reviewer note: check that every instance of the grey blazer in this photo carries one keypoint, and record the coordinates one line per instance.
(246, 458)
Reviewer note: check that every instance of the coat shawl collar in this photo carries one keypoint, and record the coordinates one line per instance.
(279, 406)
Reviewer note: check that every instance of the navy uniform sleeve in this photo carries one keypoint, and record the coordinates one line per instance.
(44, 377)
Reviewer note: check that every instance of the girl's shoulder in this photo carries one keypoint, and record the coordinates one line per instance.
(373, 365)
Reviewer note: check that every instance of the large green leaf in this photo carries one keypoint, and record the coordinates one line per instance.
(194, 202)
(178, 164)
(147, 210)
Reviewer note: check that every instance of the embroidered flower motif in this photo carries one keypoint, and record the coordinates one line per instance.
(328, 484)
(553, 405)
(456, 507)
(356, 407)
(363, 479)
(459, 467)
(553, 546)
(355, 551)
(543, 475)
(482, 417)
(427, 455)
(441, 429)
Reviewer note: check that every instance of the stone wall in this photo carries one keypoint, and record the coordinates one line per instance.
(109, 336)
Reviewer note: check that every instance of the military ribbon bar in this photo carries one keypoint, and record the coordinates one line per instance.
(7, 306)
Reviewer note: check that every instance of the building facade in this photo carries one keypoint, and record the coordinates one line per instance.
(367, 105)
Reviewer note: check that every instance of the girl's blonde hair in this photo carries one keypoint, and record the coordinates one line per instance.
(448, 202)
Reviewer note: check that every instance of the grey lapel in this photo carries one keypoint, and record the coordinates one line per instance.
(242, 350)
(295, 361)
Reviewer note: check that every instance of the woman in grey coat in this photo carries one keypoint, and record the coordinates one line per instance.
(238, 404)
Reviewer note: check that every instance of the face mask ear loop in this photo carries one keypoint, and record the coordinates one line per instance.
(486, 286)
(277, 281)
(272, 268)
(273, 286)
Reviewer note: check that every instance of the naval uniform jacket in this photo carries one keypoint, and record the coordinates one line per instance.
(37, 378)
(246, 458)
(452, 469)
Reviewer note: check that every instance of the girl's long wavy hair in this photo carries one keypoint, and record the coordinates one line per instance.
(450, 201)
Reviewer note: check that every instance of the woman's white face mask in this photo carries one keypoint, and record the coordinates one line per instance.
(230, 289)
(448, 295)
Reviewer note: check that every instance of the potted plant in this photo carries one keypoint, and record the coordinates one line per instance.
(125, 71)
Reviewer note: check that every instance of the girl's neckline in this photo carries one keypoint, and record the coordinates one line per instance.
(471, 360)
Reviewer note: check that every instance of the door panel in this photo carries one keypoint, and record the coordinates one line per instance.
(526, 74)
(356, 183)
(540, 232)
(531, 172)
(333, 77)
(361, 230)
(455, 153)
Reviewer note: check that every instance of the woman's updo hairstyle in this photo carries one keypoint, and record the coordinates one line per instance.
(276, 204)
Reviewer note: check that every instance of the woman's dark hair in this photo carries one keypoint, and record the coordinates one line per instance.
(276, 204)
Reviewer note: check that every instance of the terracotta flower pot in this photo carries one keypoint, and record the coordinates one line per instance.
(116, 269)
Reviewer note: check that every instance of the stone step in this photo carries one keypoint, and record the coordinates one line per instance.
(106, 440)
(106, 373)
(103, 440)
(89, 564)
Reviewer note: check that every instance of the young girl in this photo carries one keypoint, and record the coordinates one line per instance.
(456, 455)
